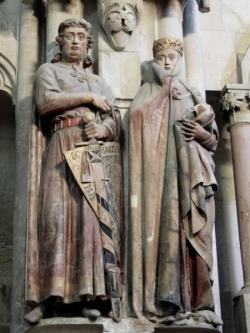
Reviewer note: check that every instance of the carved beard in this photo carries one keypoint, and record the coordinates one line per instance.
(119, 25)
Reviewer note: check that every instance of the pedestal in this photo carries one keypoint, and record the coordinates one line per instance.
(242, 313)
(181, 329)
(84, 325)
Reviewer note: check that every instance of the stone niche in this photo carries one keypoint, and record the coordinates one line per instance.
(7, 171)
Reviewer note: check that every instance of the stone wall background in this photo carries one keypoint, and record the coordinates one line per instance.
(225, 36)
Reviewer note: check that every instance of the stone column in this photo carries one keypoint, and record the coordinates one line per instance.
(27, 65)
(236, 104)
(58, 11)
(170, 18)
(192, 47)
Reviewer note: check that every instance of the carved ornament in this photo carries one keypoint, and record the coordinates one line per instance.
(7, 75)
(119, 19)
(235, 101)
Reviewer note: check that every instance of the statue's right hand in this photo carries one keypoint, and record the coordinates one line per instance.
(100, 101)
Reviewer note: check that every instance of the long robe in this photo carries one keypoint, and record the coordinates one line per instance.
(172, 205)
(72, 248)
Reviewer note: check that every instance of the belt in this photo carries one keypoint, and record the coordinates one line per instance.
(69, 122)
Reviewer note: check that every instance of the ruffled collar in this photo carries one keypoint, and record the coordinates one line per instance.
(161, 74)
(178, 89)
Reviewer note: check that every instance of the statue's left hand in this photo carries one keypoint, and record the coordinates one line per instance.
(93, 130)
(194, 131)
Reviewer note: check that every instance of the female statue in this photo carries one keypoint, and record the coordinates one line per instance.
(173, 136)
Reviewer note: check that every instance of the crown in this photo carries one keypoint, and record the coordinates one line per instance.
(168, 43)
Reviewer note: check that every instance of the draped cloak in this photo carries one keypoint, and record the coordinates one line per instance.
(73, 239)
(172, 205)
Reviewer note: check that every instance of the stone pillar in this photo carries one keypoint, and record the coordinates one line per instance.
(192, 47)
(58, 11)
(170, 18)
(236, 104)
(228, 246)
(27, 65)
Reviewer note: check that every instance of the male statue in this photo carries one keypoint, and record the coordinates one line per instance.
(78, 224)
(173, 136)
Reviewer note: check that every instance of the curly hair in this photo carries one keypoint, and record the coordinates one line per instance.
(80, 23)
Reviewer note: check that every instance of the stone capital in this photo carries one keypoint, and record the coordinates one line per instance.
(235, 101)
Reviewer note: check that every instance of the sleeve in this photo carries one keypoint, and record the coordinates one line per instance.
(50, 98)
(46, 87)
(212, 141)
(111, 120)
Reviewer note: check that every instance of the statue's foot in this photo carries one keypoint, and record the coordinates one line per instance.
(92, 314)
(34, 316)
(210, 317)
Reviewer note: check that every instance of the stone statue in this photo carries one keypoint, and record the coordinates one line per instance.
(172, 138)
(119, 19)
(74, 268)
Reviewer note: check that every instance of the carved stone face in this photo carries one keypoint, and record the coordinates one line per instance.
(167, 59)
(119, 20)
(74, 44)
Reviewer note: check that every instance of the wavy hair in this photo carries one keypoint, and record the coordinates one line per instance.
(80, 23)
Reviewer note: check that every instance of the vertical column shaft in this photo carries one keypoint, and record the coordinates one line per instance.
(240, 142)
(170, 18)
(27, 65)
(192, 47)
(236, 101)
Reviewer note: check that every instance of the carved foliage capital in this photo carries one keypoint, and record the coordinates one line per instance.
(236, 99)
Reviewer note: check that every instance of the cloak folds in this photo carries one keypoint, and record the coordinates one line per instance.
(172, 207)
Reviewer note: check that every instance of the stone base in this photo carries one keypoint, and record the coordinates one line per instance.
(105, 325)
(84, 325)
(242, 313)
(185, 329)
(4, 328)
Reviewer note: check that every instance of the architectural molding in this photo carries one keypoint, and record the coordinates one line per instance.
(7, 75)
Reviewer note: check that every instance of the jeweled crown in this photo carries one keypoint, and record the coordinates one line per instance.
(168, 43)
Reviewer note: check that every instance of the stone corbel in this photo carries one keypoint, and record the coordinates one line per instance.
(119, 20)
